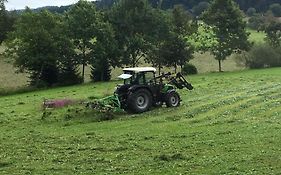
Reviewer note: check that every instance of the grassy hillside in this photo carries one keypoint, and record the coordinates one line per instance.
(230, 124)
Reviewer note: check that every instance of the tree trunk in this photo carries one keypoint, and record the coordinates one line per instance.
(39, 75)
(83, 72)
(83, 66)
(102, 75)
(175, 68)
(159, 69)
(220, 70)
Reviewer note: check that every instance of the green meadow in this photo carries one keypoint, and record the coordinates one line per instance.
(229, 124)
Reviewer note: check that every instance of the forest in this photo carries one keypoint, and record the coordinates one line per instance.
(259, 5)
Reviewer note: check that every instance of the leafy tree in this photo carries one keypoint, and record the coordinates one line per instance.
(275, 9)
(176, 50)
(164, 25)
(134, 23)
(256, 22)
(200, 8)
(226, 21)
(251, 11)
(81, 20)
(7, 20)
(105, 53)
(39, 47)
(273, 34)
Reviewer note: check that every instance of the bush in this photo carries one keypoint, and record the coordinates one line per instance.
(251, 11)
(256, 22)
(275, 9)
(189, 69)
(261, 56)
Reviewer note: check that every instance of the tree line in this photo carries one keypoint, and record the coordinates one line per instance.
(52, 47)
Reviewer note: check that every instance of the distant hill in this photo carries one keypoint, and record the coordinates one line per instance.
(259, 5)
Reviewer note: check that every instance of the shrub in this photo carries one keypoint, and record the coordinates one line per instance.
(251, 11)
(189, 69)
(256, 22)
(275, 9)
(261, 56)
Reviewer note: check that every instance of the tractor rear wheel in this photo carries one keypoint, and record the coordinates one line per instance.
(139, 101)
(172, 99)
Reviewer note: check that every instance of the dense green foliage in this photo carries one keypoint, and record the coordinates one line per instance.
(175, 51)
(136, 24)
(273, 34)
(196, 6)
(40, 47)
(197, 10)
(275, 9)
(229, 124)
(251, 11)
(189, 69)
(261, 56)
(128, 33)
(81, 21)
(226, 20)
(260, 5)
(7, 20)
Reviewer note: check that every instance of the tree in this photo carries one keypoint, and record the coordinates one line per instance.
(256, 22)
(164, 25)
(81, 20)
(134, 24)
(251, 11)
(275, 9)
(176, 50)
(7, 20)
(226, 20)
(273, 34)
(40, 48)
(105, 53)
(200, 8)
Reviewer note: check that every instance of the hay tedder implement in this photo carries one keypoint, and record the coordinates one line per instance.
(141, 90)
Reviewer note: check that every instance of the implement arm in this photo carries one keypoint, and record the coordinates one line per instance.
(180, 82)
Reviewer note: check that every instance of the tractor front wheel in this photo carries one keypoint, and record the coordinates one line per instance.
(139, 101)
(172, 99)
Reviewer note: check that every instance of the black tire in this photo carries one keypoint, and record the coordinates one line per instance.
(172, 99)
(139, 101)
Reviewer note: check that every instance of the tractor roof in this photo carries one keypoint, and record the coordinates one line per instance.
(140, 69)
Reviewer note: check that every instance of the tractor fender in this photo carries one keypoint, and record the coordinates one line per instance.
(137, 87)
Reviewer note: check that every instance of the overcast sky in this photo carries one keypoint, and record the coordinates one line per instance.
(21, 4)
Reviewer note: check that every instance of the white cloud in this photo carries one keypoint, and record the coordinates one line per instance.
(21, 4)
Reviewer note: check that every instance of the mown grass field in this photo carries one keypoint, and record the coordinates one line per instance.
(229, 124)
(257, 37)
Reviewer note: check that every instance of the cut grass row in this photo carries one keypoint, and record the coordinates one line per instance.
(230, 124)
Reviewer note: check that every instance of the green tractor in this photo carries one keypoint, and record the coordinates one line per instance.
(142, 89)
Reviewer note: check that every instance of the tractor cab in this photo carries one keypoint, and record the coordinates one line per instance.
(138, 76)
